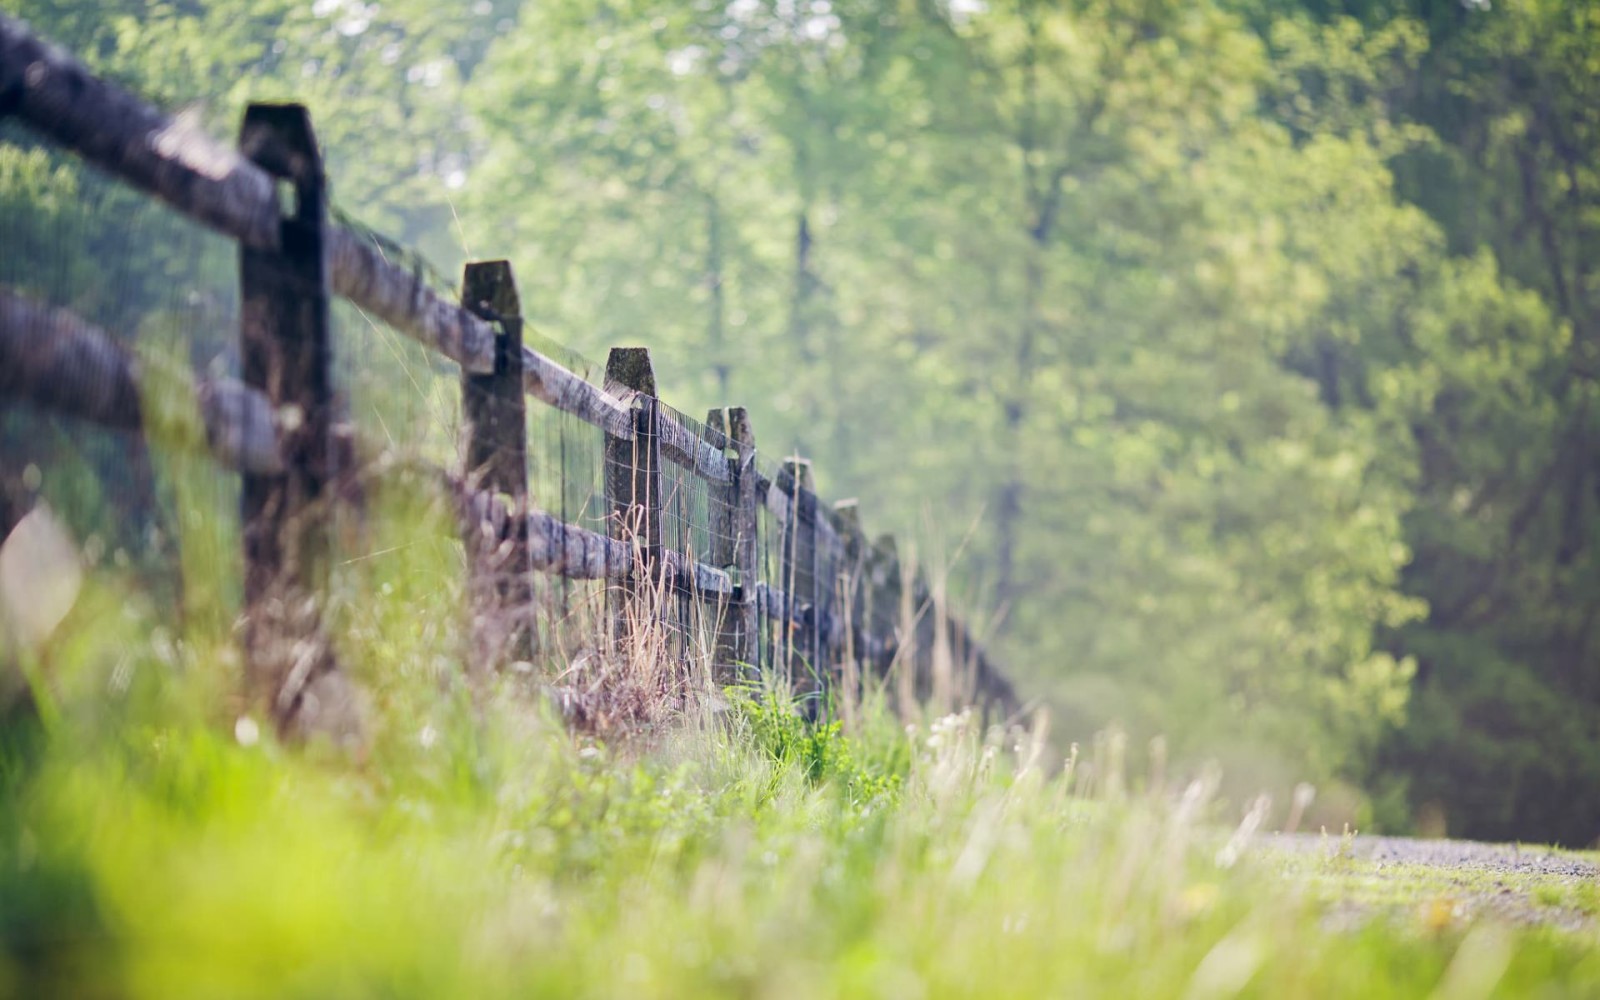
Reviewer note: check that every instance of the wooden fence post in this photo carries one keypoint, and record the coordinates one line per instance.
(722, 503)
(633, 484)
(920, 634)
(286, 353)
(831, 564)
(799, 582)
(734, 513)
(891, 618)
(495, 410)
(746, 553)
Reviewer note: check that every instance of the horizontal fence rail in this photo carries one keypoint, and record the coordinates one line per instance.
(694, 520)
(58, 362)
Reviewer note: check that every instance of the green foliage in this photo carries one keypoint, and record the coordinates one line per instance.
(820, 751)
(1500, 738)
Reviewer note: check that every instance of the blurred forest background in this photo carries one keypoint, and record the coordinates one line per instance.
(1244, 353)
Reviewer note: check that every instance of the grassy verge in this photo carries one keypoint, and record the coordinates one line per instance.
(159, 857)
(156, 842)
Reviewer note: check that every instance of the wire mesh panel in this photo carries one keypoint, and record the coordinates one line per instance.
(406, 398)
(162, 292)
(696, 522)
(778, 630)
(648, 495)
(178, 299)
(811, 560)
(399, 589)
(565, 480)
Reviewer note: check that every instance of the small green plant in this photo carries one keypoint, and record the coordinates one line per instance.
(818, 750)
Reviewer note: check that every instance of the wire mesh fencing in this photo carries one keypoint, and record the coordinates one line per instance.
(628, 543)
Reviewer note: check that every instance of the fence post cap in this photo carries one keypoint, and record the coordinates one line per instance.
(630, 368)
(490, 283)
(717, 424)
(739, 430)
(800, 469)
(278, 138)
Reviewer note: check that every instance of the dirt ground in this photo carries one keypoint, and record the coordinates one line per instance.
(1441, 881)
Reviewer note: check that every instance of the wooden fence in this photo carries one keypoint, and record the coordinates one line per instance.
(836, 610)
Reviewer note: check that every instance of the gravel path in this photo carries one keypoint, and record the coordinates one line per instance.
(1442, 853)
(1443, 879)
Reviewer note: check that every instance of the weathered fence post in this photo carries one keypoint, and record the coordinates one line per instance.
(919, 630)
(722, 502)
(633, 487)
(799, 582)
(734, 512)
(892, 621)
(746, 553)
(286, 353)
(833, 567)
(495, 410)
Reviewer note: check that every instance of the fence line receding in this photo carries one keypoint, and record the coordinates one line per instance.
(573, 515)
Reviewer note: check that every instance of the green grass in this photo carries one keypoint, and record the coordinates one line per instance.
(476, 848)
(151, 854)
